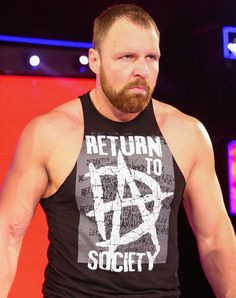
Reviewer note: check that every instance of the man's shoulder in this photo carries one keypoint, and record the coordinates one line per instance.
(69, 113)
(66, 115)
(56, 124)
(185, 135)
(166, 112)
(171, 118)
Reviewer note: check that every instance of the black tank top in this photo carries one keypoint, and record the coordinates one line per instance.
(113, 222)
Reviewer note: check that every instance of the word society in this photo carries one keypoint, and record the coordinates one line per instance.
(118, 261)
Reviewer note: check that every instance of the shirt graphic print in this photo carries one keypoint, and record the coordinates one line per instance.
(124, 189)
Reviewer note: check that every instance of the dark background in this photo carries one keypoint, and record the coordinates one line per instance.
(194, 76)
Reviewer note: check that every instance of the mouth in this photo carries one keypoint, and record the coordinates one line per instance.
(138, 89)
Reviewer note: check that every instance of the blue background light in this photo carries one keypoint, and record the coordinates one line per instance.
(49, 42)
(57, 56)
(227, 31)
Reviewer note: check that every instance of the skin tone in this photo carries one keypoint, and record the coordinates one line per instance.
(49, 147)
(120, 59)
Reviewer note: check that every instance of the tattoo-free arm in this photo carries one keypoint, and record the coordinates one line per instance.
(206, 211)
(23, 186)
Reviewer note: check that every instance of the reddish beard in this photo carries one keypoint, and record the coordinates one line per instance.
(124, 100)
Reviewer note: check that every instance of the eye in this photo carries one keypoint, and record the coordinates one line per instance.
(153, 57)
(126, 57)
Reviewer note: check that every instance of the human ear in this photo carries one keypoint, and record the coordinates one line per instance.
(94, 60)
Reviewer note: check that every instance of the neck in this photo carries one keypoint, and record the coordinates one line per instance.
(104, 107)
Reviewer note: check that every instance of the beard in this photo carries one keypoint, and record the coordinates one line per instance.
(122, 99)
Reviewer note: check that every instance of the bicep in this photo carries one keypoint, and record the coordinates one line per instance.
(20, 194)
(203, 200)
(204, 204)
(23, 186)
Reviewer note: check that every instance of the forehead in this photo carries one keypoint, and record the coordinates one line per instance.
(125, 34)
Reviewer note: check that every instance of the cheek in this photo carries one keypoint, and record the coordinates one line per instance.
(154, 73)
(119, 77)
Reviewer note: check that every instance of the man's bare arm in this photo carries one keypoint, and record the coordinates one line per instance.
(209, 220)
(25, 183)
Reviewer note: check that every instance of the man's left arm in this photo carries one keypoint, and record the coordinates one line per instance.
(204, 205)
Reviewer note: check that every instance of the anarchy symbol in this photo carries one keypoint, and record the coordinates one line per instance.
(125, 176)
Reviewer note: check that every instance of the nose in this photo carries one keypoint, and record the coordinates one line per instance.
(141, 68)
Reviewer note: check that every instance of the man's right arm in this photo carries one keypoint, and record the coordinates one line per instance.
(23, 187)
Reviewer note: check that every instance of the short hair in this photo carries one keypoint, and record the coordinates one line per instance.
(108, 17)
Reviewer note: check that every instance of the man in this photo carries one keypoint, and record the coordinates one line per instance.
(110, 169)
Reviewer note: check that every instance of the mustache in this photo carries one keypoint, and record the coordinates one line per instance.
(138, 83)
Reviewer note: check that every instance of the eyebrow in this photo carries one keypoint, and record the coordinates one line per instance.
(131, 52)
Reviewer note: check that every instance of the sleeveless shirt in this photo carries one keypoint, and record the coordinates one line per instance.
(112, 225)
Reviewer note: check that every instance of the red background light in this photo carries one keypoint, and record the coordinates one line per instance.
(21, 99)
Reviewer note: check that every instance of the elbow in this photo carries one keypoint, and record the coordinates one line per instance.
(219, 246)
(14, 231)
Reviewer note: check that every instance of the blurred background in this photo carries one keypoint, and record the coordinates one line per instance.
(194, 74)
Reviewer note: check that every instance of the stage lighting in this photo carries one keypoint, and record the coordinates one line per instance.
(83, 60)
(232, 176)
(34, 56)
(80, 63)
(82, 69)
(34, 61)
(229, 42)
(232, 47)
(47, 42)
